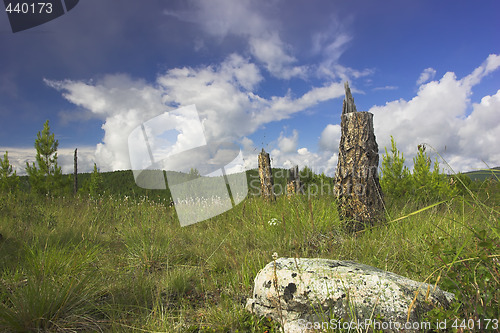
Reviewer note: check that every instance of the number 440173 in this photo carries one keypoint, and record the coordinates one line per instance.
(471, 324)
(31, 8)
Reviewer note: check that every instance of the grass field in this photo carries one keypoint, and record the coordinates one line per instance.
(116, 265)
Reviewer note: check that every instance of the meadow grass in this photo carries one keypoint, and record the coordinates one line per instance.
(116, 265)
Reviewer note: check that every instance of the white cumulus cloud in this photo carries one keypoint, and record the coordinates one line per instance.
(260, 29)
(221, 18)
(273, 53)
(124, 103)
(330, 138)
(443, 116)
(427, 74)
(223, 96)
(65, 157)
(288, 144)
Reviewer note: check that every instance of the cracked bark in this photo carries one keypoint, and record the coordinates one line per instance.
(266, 176)
(293, 183)
(357, 186)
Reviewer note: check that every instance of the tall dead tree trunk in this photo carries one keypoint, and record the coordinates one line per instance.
(266, 176)
(75, 173)
(293, 184)
(357, 185)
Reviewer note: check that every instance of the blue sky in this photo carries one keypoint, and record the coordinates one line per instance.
(263, 73)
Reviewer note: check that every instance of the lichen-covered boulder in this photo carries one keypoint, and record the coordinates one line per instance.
(305, 294)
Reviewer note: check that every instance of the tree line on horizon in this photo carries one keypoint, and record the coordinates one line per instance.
(45, 177)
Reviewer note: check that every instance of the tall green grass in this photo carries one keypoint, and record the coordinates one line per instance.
(116, 265)
(54, 288)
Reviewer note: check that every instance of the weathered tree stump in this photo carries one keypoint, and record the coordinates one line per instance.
(266, 177)
(357, 185)
(293, 183)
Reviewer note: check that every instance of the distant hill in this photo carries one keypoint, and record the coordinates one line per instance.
(117, 183)
(482, 175)
(121, 183)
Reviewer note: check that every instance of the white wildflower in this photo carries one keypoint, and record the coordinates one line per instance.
(273, 221)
